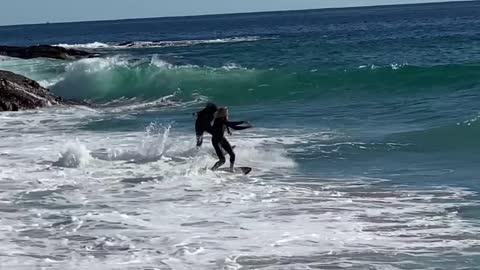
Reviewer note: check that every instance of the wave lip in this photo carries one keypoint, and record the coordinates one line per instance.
(159, 44)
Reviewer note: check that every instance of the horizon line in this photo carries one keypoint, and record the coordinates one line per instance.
(247, 13)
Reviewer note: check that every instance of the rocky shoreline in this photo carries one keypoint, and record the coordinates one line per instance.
(45, 51)
(18, 92)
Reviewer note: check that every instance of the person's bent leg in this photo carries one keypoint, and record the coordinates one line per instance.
(228, 148)
(221, 157)
(199, 140)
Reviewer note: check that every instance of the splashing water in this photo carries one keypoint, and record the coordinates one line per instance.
(76, 155)
(151, 148)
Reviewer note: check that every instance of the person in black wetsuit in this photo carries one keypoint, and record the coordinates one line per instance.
(219, 141)
(204, 121)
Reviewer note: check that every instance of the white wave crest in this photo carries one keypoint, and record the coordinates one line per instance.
(393, 66)
(159, 44)
(93, 65)
(93, 45)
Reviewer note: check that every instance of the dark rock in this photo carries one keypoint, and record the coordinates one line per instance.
(126, 43)
(45, 51)
(19, 93)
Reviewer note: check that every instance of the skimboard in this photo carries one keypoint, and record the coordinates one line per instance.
(241, 170)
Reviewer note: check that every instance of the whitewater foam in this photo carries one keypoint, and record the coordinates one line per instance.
(76, 155)
(166, 208)
(156, 61)
(93, 65)
(160, 44)
(151, 148)
(393, 66)
(50, 82)
(93, 45)
(167, 102)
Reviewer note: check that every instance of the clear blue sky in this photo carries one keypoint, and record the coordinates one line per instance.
(40, 11)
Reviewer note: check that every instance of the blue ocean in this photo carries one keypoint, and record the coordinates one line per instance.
(365, 144)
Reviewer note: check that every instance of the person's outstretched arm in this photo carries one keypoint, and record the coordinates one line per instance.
(235, 125)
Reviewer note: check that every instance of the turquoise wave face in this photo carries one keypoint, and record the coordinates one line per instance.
(149, 78)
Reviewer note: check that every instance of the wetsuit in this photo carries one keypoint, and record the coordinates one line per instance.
(204, 122)
(219, 141)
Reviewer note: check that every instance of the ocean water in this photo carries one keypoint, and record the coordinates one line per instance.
(365, 144)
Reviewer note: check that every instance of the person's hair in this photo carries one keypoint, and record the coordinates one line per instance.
(222, 113)
(211, 106)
